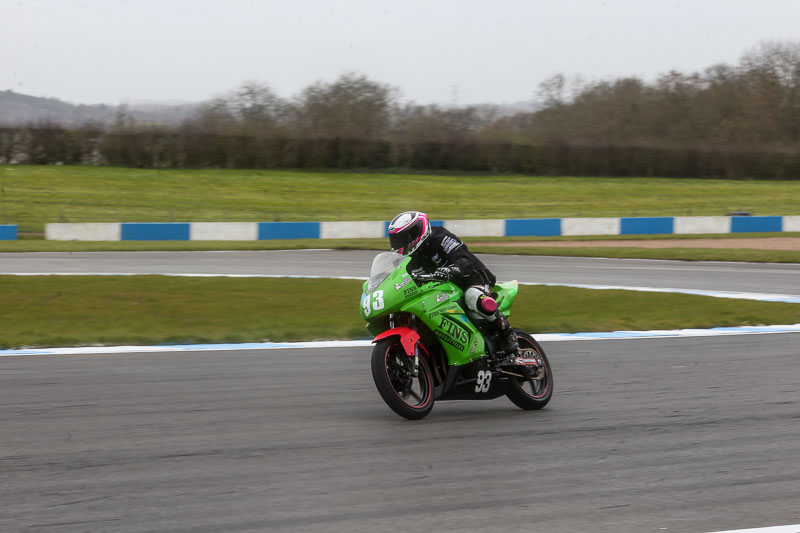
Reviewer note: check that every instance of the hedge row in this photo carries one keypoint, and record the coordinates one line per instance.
(170, 149)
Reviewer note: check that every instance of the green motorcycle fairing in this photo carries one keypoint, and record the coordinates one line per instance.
(438, 304)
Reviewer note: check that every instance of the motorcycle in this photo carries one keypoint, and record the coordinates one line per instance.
(429, 347)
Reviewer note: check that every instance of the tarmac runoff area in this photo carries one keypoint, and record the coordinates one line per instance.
(690, 434)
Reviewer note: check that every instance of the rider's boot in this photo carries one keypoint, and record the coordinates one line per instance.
(506, 339)
(508, 345)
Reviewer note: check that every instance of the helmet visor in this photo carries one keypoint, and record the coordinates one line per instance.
(400, 241)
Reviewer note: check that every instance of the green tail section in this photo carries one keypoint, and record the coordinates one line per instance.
(506, 293)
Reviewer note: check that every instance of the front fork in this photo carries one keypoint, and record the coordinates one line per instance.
(409, 340)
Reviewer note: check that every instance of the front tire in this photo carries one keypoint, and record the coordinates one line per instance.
(409, 396)
(530, 394)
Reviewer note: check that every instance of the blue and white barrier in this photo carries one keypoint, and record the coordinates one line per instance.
(527, 227)
(8, 232)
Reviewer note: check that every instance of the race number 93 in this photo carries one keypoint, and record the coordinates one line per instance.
(372, 302)
(484, 381)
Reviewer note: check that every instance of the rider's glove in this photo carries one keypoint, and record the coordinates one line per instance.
(447, 273)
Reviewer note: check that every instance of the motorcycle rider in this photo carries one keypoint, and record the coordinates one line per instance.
(438, 251)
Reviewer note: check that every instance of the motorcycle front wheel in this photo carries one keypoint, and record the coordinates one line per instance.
(392, 370)
(531, 394)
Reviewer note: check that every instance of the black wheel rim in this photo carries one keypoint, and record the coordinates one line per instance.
(414, 391)
(535, 388)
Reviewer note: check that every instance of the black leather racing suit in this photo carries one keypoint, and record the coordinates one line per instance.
(443, 249)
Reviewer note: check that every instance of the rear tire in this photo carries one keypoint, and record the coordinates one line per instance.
(530, 394)
(408, 396)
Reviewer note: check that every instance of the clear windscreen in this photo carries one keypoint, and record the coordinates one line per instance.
(383, 265)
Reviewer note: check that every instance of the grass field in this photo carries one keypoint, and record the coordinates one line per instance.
(35, 195)
(81, 310)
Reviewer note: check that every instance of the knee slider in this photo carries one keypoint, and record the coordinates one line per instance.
(487, 305)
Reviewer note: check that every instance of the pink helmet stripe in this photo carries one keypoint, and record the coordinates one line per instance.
(396, 230)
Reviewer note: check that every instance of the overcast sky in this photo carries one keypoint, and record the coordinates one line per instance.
(436, 51)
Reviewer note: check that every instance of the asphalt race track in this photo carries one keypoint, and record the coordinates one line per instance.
(739, 277)
(687, 435)
(672, 434)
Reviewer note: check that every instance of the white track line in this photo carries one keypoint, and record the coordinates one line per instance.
(758, 296)
(544, 337)
(88, 350)
(794, 528)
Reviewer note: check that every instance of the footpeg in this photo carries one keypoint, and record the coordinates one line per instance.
(531, 363)
(526, 356)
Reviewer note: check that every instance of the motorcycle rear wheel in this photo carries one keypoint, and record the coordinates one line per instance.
(407, 395)
(531, 394)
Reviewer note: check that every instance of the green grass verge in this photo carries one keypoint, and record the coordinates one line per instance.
(683, 254)
(81, 310)
(35, 195)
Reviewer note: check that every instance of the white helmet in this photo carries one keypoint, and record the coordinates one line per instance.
(407, 232)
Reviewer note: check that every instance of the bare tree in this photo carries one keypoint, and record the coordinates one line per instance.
(351, 107)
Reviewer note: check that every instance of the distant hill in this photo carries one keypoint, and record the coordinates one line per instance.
(16, 108)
